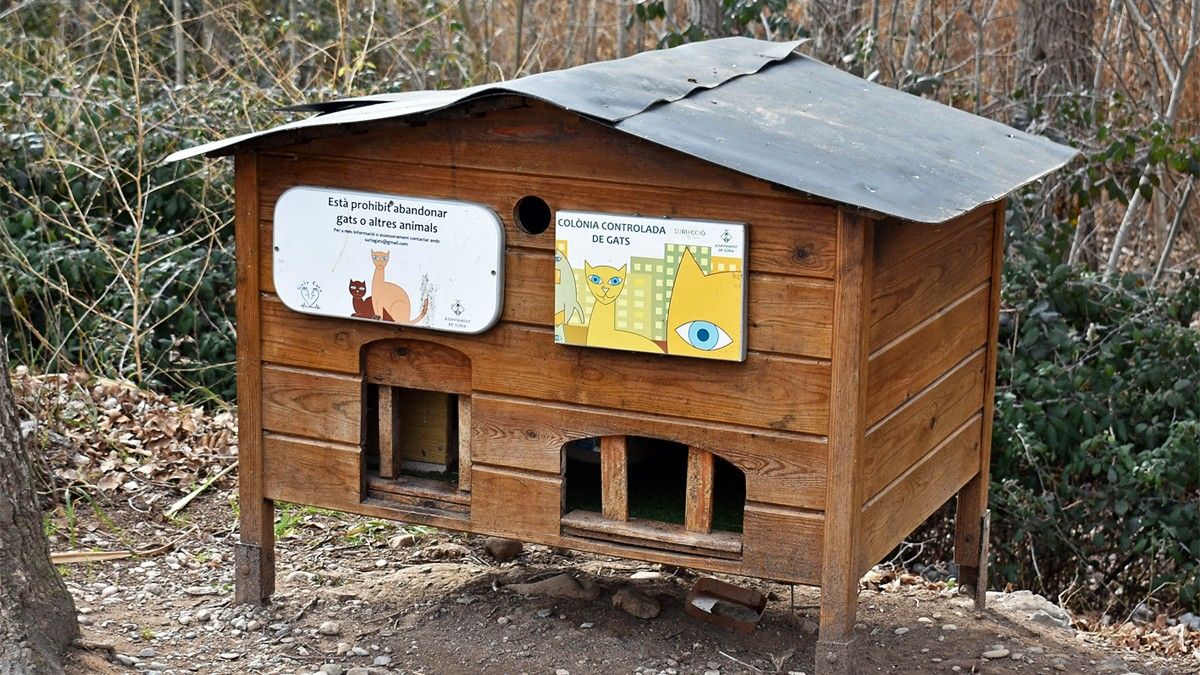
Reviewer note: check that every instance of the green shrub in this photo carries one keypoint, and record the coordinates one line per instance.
(1095, 491)
(111, 260)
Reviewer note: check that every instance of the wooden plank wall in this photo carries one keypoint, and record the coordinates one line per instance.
(926, 374)
(768, 416)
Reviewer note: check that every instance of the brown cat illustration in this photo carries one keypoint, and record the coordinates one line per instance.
(389, 299)
(364, 307)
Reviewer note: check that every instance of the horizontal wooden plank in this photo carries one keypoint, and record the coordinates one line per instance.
(424, 502)
(900, 240)
(316, 473)
(538, 139)
(787, 315)
(921, 269)
(786, 236)
(906, 366)
(782, 543)
(894, 513)
(422, 488)
(780, 467)
(766, 391)
(652, 534)
(382, 505)
(904, 436)
(515, 504)
(379, 508)
(418, 364)
(313, 404)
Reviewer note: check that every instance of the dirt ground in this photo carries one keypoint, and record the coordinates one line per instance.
(437, 603)
(355, 595)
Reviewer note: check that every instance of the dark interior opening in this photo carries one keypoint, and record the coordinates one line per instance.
(657, 482)
(532, 214)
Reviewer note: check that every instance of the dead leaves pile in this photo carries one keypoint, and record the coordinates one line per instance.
(1160, 635)
(111, 436)
(883, 578)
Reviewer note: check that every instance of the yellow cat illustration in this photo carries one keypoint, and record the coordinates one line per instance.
(390, 300)
(705, 315)
(606, 283)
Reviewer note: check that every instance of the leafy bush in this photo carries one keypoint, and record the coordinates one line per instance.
(1096, 448)
(111, 260)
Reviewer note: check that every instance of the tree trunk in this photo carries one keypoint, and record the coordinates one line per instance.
(707, 16)
(912, 41)
(622, 28)
(572, 32)
(293, 50)
(832, 24)
(180, 58)
(518, 58)
(1054, 47)
(592, 37)
(37, 615)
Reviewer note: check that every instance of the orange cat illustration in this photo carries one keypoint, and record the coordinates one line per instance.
(389, 299)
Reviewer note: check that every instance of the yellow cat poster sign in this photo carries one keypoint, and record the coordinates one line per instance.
(655, 285)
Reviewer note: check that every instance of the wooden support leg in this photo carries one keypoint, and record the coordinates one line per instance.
(254, 557)
(840, 562)
(698, 506)
(839, 607)
(971, 525)
(614, 478)
(972, 520)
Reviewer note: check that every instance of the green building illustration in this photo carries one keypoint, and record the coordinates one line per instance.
(642, 307)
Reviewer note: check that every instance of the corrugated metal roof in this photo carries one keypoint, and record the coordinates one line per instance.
(760, 109)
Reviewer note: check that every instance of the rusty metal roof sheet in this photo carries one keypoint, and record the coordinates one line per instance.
(760, 109)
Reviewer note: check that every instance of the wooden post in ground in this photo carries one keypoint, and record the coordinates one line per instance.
(254, 558)
(971, 520)
(847, 415)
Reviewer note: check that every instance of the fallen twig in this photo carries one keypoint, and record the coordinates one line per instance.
(92, 645)
(739, 661)
(182, 503)
(72, 557)
(303, 610)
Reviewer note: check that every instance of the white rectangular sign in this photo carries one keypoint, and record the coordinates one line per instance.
(657, 285)
(428, 263)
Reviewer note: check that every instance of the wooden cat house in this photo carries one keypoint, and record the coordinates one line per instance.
(719, 306)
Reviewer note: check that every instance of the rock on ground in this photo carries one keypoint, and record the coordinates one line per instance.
(636, 603)
(503, 549)
(447, 551)
(560, 586)
(1029, 605)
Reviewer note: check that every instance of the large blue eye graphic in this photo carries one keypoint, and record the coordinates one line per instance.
(615, 281)
(595, 279)
(703, 335)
